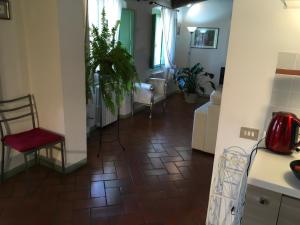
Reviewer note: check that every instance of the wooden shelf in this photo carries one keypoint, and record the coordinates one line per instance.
(287, 72)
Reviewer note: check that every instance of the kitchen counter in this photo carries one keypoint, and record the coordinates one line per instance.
(272, 172)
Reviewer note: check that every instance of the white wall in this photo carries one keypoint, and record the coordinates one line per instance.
(71, 45)
(259, 31)
(213, 13)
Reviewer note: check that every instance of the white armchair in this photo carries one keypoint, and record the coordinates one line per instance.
(150, 93)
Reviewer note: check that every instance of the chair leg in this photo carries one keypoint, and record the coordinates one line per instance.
(2, 163)
(38, 156)
(47, 153)
(52, 158)
(132, 102)
(132, 109)
(26, 162)
(164, 106)
(151, 107)
(35, 157)
(27, 173)
(62, 148)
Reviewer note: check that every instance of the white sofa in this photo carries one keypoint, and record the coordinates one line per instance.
(205, 127)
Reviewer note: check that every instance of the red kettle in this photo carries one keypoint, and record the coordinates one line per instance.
(282, 134)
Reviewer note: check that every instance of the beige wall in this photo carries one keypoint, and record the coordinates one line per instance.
(14, 80)
(259, 31)
(142, 38)
(13, 71)
(44, 61)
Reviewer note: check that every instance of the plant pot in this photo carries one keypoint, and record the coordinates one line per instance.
(191, 97)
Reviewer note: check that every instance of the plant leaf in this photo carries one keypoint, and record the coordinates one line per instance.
(113, 63)
(212, 85)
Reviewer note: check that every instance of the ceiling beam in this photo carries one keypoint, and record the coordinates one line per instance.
(180, 3)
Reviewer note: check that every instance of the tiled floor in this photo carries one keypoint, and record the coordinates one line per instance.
(158, 180)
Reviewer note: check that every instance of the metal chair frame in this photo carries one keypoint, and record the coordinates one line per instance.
(151, 104)
(4, 130)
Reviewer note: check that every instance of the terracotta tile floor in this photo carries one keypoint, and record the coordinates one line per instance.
(158, 180)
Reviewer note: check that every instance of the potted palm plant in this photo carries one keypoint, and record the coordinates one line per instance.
(192, 81)
(112, 63)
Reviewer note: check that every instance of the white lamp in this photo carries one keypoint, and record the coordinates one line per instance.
(191, 29)
(291, 4)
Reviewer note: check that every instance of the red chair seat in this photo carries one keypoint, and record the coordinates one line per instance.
(31, 139)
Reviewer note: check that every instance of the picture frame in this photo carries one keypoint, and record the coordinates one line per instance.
(4, 10)
(205, 37)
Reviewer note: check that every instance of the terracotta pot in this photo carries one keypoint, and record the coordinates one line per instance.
(191, 97)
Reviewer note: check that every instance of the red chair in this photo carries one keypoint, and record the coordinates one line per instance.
(29, 141)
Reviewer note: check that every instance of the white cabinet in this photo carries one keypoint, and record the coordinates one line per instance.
(264, 207)
(289, 211)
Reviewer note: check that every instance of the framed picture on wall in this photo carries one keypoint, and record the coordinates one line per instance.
(4, 10)
(205, 37)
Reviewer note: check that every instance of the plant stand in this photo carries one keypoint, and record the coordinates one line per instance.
(191, 97)
(117, 136)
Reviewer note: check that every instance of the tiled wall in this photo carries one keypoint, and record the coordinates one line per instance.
(290, 61)
(286, 88)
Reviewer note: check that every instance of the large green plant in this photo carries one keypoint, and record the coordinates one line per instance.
(113, 64)
(188, 79)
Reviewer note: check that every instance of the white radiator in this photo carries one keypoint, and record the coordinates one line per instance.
(107, 116)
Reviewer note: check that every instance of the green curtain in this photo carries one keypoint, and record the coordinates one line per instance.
(126, 35)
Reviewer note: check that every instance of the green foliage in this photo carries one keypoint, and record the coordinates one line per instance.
(112, 62)
(188, 79)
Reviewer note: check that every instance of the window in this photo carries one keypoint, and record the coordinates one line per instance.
(157, 46)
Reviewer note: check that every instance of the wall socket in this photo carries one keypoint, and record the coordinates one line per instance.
(249, 133)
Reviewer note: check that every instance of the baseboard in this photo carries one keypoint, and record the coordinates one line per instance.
(18, 169)
(47, 163)
(203, 152)
(125, 116)
(171, 93)
(50, 164)
(93, 128)
(204, 96)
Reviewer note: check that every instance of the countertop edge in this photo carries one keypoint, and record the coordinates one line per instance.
(274, 187)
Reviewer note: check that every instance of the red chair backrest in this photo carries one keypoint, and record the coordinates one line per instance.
(16, 107)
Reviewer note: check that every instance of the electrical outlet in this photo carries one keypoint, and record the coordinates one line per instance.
(249, 133)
